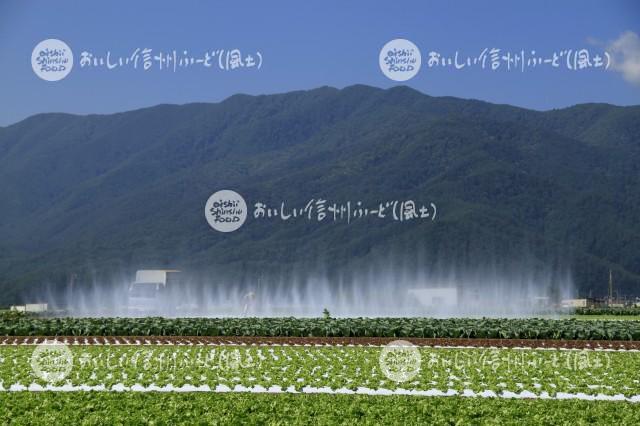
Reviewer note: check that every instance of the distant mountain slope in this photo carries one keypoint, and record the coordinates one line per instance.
(107, 192)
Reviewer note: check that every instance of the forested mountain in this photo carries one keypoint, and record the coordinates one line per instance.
(97, 194)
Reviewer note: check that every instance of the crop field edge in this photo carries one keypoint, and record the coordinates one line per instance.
(323, 341)
(484, 328)
(94, 408)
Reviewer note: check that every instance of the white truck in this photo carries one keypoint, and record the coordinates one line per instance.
(149, 293)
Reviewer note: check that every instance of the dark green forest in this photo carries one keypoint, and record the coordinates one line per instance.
(99, 195)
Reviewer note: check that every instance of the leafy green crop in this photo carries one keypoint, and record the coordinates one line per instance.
(106, 408)
(530, 328)
(300, 369)
(296, 368)
(629, 311)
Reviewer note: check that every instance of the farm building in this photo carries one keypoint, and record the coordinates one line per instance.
(30, 307)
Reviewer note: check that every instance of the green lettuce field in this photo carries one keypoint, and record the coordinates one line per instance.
(336, 371)
(107, 408)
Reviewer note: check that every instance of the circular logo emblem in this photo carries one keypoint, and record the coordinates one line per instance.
(400, 361)
(52, 59)
(400, 59)
(225, 210)
(51, 361)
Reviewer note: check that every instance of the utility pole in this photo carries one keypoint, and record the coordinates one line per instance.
(610, 287)
(71, 285)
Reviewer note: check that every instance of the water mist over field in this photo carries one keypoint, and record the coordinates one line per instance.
(379, 289)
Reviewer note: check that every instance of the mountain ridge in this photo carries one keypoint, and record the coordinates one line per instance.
(536, 173)
(332, 88)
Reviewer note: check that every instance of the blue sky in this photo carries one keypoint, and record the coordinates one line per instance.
(307, 44)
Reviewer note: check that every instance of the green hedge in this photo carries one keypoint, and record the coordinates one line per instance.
(608, 311)
(532, 328)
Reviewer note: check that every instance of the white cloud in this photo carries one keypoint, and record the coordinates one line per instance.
(625, 55)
